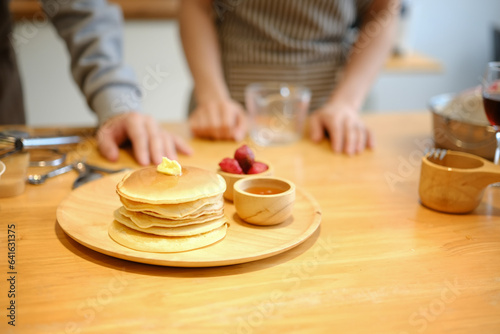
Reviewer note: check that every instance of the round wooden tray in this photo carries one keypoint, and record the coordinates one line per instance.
(87, 212)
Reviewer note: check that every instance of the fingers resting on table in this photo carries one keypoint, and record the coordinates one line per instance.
(346, 131)
(223, 120)
(219, 120)
(150, 142)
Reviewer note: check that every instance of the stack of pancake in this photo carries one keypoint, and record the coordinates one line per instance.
(169, 213)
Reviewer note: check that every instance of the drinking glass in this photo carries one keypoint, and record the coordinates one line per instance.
(277, 112)
(491, 100)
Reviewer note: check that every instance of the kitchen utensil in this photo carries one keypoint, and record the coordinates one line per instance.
(41, 178)
(86, 214)
(86, 177)
(87, 173)
(94, 168)
(436, 153)
(12, 144)
(459, 123)
(46, 157)
(455, 184)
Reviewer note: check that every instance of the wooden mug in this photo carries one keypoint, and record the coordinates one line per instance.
(456, 183)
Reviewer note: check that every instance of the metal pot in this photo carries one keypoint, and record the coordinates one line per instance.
(460, 124)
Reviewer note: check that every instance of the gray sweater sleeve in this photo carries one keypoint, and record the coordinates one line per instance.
(92, 31)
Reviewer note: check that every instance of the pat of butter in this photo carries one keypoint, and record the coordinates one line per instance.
(169, 167)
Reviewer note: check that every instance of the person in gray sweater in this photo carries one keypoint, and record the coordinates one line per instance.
(92, 32)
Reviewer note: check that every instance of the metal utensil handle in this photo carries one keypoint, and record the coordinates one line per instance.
(49, 141)
(103, 170)
(60, 171)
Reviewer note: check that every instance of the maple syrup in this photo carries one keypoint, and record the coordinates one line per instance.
(263, 190)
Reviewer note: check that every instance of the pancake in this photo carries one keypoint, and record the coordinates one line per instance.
(202, 212)
(169, 213)
(172, 231)
(145, 220)
(147, 185)
(173, 211)
(146, 242)
(159, 213)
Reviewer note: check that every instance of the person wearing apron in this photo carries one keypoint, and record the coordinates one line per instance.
(232, 43)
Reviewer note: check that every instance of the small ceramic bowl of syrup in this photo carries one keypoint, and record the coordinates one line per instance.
(264, 200)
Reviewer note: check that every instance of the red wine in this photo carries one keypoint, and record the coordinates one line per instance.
(492, 108)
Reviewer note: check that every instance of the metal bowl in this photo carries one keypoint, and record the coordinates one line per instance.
(460, 124)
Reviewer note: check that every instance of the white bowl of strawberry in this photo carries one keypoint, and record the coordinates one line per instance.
(242, 165)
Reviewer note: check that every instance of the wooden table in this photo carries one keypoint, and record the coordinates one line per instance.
(380, 262)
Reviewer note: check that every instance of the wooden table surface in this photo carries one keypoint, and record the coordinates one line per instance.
(379, 263)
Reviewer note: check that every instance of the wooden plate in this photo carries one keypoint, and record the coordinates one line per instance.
(87, 212)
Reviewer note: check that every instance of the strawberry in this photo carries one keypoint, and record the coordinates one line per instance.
(245, 157)
(230, 165)
(257, 168)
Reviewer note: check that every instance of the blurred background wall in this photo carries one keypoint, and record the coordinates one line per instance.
(457, 34)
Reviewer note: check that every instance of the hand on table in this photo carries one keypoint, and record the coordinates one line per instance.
(220, 120)
(346, 130)
(149, 141)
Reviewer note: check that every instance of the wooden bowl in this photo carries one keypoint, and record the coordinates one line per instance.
(456, 183)
(231, 178)
(13, 180)
(264, 200)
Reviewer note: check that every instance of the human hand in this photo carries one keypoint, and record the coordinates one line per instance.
(149, 141)
(346, 130)
(220, 120)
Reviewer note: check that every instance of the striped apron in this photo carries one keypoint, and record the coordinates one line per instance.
(295, 41)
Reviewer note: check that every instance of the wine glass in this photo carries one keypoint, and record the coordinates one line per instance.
(491, 100)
